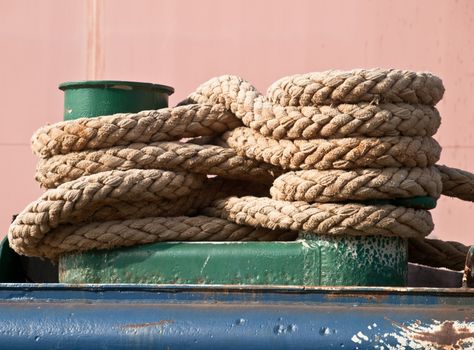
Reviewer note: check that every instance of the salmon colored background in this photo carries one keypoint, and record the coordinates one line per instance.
(183, 43)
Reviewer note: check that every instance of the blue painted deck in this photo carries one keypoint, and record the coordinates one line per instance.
(51, 316)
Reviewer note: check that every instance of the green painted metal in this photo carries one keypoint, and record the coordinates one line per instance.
(314, 260)
(361, 260)
(421, 202)
(105, 97)
(256, 263)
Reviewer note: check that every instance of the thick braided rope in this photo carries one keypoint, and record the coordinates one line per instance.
(296, 122)
(205, 159)
(124, 233)
(167, 124)
(359, 184)
(230, 93)
(323, 218)
(119, 195)
(347, 153)
(344, 120)
(78, 200)
(437, 253)
(457, 183)
(355, 86)
(295, 117)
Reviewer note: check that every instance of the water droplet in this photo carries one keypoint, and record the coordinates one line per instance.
(279, 329)
(324, 331)
(240, 321)
(341, 345)
(292, 328)
(37, 338)
(280, 319)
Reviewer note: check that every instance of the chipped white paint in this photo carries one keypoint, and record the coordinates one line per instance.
(205, 264)
(443, 335)
(304, 243)
(356, 340)
(446, 335)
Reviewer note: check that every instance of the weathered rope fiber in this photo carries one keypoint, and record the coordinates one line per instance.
(219, 96)
(359, 184)
(355, 86)
(457, 183)
(347, 153)
(166, 124)
(437, 253)
(205, 159)
(325, 137)
(118, 195)
(324, 218)
(344, 120)
(122, 233)
(307, 122)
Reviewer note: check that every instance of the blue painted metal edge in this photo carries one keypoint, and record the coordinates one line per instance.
(224, 287)
(47, 316)
(155, 291)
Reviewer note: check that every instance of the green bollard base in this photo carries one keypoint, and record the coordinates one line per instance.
(361, 260)
(311, 261)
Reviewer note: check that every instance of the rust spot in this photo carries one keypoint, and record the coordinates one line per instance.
(148, 324)
(369, 297)
(446, 335)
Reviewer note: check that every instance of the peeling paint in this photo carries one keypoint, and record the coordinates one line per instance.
(362, 336)
(443, 335)
(205, 263)
(356, 340)
(448, 335)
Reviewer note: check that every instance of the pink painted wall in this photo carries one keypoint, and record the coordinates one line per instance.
(183, 43)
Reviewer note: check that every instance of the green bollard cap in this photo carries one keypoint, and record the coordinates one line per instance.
(105, 97)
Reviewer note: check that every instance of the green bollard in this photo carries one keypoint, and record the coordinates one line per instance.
(310, 260)
(105, 97)
(360, 260)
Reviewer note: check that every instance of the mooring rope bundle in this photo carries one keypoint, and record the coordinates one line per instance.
(312, 155)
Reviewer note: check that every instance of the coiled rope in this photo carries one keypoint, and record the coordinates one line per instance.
(301, 158)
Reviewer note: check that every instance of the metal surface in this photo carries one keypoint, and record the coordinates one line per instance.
(420, 202)
(426, 276)
(20, 268)
(105, 97)
(8, 263)
(315, 260)
(360, 261)
(204, 317)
